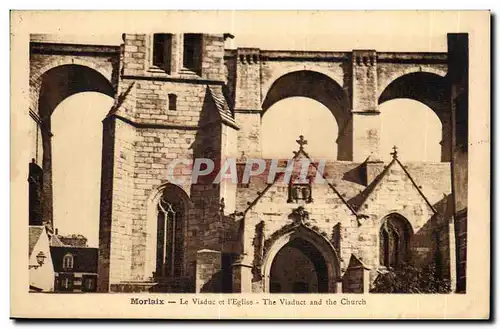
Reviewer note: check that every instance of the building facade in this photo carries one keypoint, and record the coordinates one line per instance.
(186, 97)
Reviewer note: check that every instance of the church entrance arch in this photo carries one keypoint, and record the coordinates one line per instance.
(301, 261)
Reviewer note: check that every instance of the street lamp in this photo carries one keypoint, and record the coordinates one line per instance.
(40, 259)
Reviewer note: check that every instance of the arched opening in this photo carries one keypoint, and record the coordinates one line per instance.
(433, 92)
(318, 88)
(299, 268)
(167, 224)
(413, 127)
(76, 163)
(68, 261)
(57, 84)
(395, 234)
(300, 260)
(304, 116)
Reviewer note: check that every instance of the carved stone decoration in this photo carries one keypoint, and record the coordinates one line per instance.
(222, 206)
(336, 237)
(298, 192)
(267, 243)
(258, 243)
(300, 216)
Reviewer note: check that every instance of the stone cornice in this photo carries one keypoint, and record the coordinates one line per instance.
(51, 48)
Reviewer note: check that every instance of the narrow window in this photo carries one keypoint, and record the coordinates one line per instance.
(162, 51)
(192, 52)
(68, 261)
(172, 102)
(170, 237)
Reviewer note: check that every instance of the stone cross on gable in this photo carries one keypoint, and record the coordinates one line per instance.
(301, 141)
(395, 152)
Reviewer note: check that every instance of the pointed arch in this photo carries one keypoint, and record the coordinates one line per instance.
(318, 246)
(168, 210)
(395, 234)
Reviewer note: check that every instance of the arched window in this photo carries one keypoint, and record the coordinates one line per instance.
(395, 234)
(68, 261)
(170, 235)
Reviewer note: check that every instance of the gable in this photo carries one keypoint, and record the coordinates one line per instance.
(393, 189)
(277, 192)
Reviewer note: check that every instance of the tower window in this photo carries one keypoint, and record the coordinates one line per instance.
(162, 51)
(170, 236)
(172, 102)
(192, 52)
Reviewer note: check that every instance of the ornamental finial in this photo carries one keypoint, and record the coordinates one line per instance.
(301, 141)
(395, 152)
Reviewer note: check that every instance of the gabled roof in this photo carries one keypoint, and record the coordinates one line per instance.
(34, 235)
(122, 100)
(359, 200)
(222, 106)
(56, 242)
(298, 154)
(355, 262)
(84, 259)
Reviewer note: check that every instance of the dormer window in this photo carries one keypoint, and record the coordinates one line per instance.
(68, 262)
(162, 51)
(192, 52)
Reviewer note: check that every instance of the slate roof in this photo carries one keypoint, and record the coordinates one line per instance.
(84, 259)
(222, 106)
(349, 180)
(56, 242)
(34, 235)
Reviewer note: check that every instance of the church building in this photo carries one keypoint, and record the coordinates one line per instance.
(183, 97)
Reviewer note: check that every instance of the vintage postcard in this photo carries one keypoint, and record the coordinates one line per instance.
(250, 165)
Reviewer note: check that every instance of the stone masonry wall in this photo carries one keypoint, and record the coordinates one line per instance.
(41, 63)
(122, 210)
(163, 135)
(143, 136)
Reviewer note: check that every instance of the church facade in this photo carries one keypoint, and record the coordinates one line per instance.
(184, 97)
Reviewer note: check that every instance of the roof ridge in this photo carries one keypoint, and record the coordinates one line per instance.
(222, 105)
(370, 188)
(279, 175)
(417, 187)
(261, 193)
(324, 177)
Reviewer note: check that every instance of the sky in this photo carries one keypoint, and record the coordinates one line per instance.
(76, 152)
(410, 125)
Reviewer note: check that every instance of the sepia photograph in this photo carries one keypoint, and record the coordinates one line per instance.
(240, 164)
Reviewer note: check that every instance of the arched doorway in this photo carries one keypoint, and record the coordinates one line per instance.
(300, 261)
(299, 268)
